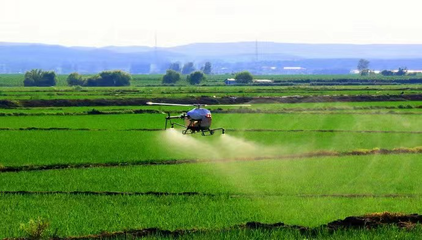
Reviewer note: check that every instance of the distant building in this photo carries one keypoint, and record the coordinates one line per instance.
(230, 81)
(411, 71)
(293, 68)
(263, 81)
(358, 72)
(394, 71)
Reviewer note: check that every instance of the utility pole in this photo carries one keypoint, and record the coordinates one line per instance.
(155, 49)
(154, 64)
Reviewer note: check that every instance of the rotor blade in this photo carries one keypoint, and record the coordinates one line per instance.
(228, 105)
(170, 104)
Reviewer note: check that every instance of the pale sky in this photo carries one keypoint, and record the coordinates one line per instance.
(176, 22)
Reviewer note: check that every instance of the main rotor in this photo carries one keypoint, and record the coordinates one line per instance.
(198, 105)
(176, 104)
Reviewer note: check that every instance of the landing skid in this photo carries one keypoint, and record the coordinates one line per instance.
(203, 131)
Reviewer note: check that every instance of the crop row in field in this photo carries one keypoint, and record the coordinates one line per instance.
(378, 226)
(72, 147)
(400, 110)
(369, 107)
(196, 95)
(204, 101)
(169, 92)
(264, 231)
(365, 175)
(294, 121)
(70, 214)
(202, 89)
(9, 80)
(149, 162)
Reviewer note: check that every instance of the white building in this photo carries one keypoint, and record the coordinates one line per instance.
(230, 81)
(263, 81)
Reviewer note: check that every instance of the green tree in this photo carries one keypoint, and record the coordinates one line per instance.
(188, 68)
(367, 72)
(114, 78)
(75, 79)
(363, 64)
(92, 81)
(35, 75)
(196, 77)
(39, 78)
(49, 78)
(207, 69)
(171, 77)
(387, 73)
(243, 77)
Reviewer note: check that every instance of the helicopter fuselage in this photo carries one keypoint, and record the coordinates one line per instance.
(196, 120)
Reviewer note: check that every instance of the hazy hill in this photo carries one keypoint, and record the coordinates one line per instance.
(379, 51)
(21, 57)
(229, 57)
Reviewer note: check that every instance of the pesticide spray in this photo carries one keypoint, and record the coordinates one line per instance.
(218, 150)
(222, 147)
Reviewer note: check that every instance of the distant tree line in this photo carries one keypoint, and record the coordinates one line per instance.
(194, 77)
(400, 72)
(189, 67)
(172, 77)
(40, 78)
(114, 78)
(363, 68)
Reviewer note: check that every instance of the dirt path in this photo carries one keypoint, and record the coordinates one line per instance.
(368, 221)
(238, 195)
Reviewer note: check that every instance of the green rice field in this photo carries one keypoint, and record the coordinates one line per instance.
(106, 169)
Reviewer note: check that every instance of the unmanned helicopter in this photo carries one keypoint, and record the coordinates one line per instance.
(196, 120)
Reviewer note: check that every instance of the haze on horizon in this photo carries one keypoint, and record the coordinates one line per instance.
(177, 22)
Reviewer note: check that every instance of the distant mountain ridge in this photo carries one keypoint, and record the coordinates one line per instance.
(299, 50)
(19, 57)
(375, 51)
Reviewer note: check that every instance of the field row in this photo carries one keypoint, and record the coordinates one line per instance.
(75, 147)
(9, 80)
(366, 175)
(293, 121)
(408, 109)
(396, 105)
(49, 93)
(76, 95)
(265, 191)
(70, 215)
(204, 89)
